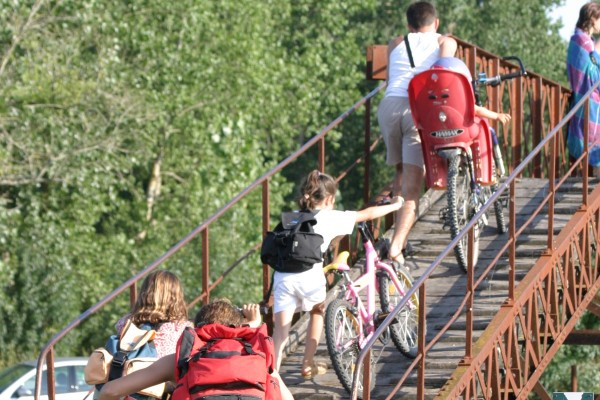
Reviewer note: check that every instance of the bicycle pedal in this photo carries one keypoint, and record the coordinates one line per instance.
(379, 318)
(385, 337)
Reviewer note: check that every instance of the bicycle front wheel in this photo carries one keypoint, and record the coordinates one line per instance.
(342, 334)
(403, 332)
(459, 209)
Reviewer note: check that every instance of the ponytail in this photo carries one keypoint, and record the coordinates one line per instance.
(314, 189)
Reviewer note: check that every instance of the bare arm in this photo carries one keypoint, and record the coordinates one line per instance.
(447, 46)
(370, 213)
(162, 370)
(485, 113)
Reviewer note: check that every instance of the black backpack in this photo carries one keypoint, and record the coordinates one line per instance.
(293, 246)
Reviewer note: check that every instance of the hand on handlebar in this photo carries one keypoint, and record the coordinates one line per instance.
(397, 199)
(391, 200)
(503, 117)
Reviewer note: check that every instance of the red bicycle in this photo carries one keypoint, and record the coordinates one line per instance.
(460, 150)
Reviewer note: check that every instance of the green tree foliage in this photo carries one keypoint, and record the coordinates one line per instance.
(510, 27)
(586, 358)
(124, 125)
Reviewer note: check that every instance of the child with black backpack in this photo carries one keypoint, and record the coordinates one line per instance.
(306, 291)
(227, 355)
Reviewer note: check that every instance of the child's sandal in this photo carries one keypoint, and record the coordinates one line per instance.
(314, 370)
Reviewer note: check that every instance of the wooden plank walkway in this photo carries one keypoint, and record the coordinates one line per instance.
(445, 290)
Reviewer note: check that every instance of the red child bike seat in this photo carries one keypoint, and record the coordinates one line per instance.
(443, 110)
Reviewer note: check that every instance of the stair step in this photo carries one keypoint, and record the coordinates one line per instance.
(445, 290)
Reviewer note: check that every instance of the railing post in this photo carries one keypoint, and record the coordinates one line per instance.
(367, 153)
(470, 299)
(132, 295)
(586, 142)
(421, 344)
(266, 281)
(50, 371)
(367, 376)
(321, 155)
(555, 116)
(205, 271)
(536, 114)
(512, 250)
(552, 193)
(517, 122)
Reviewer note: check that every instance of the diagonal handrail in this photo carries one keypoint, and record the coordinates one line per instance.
(462, 385)
(47, 352)
(545, 93)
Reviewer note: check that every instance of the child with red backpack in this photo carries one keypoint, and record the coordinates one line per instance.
(227, 353)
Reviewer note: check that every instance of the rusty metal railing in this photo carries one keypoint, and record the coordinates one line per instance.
(539, 312)
(534, 103)
(202, 231)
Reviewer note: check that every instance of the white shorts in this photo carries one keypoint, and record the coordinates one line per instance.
(298, 292)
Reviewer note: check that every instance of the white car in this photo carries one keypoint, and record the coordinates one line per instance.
(18, 381)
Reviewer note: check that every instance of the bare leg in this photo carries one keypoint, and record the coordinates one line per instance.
(281, 329)
(315, 329)
(412, 178)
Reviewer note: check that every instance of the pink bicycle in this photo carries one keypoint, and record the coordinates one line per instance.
(352, 318)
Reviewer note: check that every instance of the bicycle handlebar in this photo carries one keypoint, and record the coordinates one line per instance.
(495, 80)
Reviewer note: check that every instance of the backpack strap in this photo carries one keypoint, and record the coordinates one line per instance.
(231, 386)
(116, 366)
(295, 219)
(131, 339)
(204, 351)
(410, 56)
(186, 343)
(265, 302)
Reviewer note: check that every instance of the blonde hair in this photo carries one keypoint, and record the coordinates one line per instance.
(161, 299)
(220, 311)
(314, 189)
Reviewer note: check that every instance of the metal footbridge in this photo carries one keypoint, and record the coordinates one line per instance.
(491, 333)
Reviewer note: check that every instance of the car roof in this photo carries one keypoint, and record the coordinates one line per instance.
(59, 361)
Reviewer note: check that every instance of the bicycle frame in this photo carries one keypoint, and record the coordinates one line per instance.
(352, 318)
(366, 283)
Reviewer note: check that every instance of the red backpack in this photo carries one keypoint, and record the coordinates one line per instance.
(215, 360)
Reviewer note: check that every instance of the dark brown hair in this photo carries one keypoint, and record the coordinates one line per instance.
(220, 311)
(420, 14)
(314, 189)
(588, 13)
(160, 300)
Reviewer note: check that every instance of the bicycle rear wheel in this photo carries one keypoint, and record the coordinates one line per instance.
(342, 334)
(459, 209)
(498, 207)
(404, 332)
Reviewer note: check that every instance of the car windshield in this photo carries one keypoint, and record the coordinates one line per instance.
(9, 375)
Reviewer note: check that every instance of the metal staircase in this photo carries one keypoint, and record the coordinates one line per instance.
(490, 333)
(506, 340)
